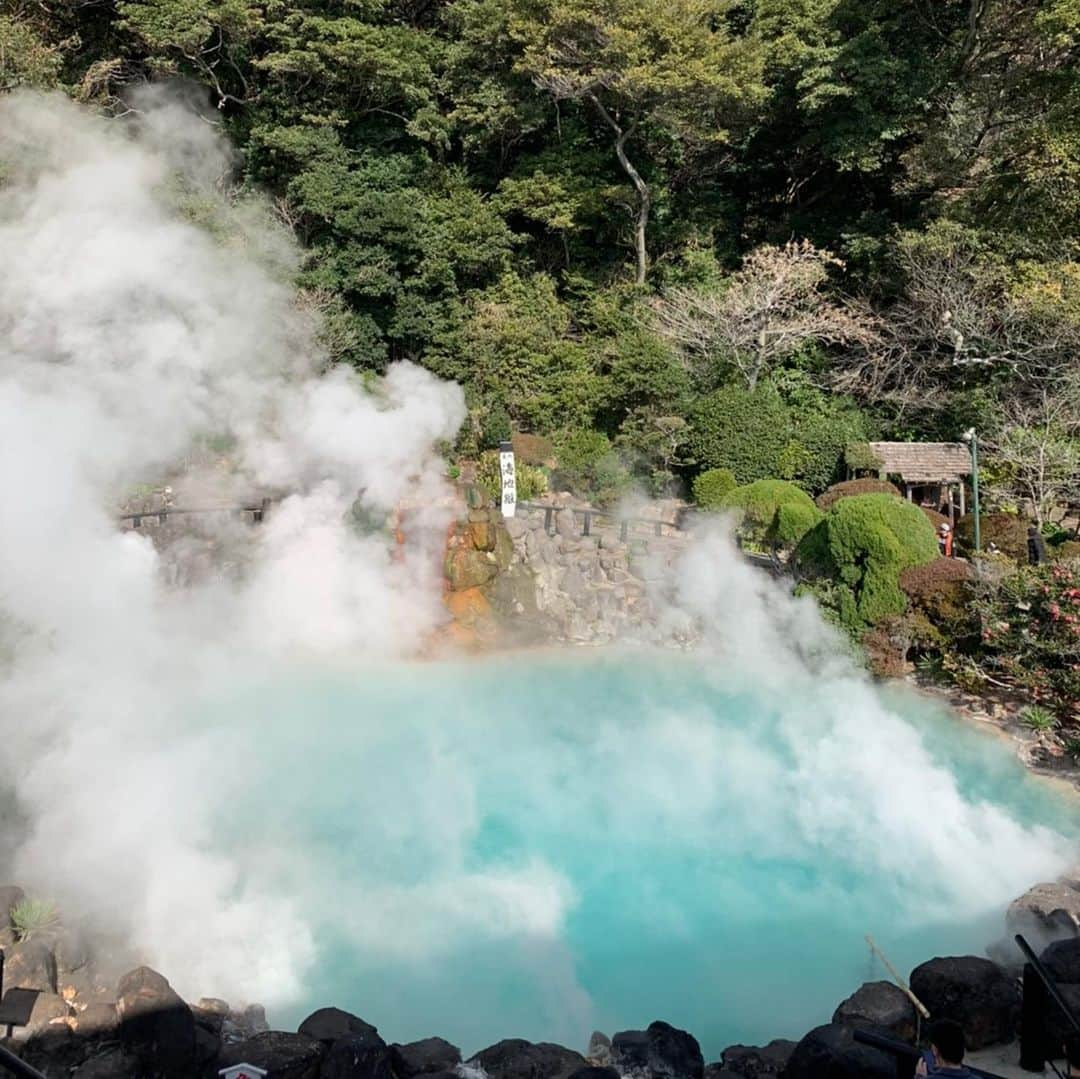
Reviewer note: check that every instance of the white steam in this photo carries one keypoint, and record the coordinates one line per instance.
(127, 334)
(178, 797)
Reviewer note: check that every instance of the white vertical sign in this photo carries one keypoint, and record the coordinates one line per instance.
(509, 478)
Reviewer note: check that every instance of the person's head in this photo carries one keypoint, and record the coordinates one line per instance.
(1032, 530)
(1072, 1053)
(947, 1042)
(944, 529)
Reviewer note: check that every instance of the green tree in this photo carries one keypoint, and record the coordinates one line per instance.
(671, 70)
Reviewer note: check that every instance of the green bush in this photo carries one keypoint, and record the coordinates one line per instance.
(33, 918)
(711, 486)
(762, 433)
(773, 511)
(740, 430)
(863, 544)
(531, 482)
(495, 428)
(589, 466)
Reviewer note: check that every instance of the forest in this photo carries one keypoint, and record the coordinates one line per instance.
(724, 239)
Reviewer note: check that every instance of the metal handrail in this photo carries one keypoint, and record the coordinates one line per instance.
(907, 1052)
(18, 1066)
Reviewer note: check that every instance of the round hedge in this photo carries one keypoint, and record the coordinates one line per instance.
(863, 545)
(712, 486)
(773, 511)
(868, 485)
(1007, 530)
(743, 431)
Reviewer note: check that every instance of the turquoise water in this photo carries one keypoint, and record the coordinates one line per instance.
(542, 846)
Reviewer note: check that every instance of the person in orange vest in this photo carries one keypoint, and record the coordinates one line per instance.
(945, 538)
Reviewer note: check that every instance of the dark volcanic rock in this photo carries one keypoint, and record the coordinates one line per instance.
(660, 1051)
(880, 1004)
(974, 992)
(599, 1051)
(718, 1071)
(752, 1061)
(590, 1071)
(516, 1058)
(30, 965)
(327, 1025)
(111, 1064)
(156, 1026)
(358, 1057)
(1062, 959)
(282, 1056)
(427, 1056)
(10, 894)
(97, 1020)
(1058, 1028)
(831, 1052)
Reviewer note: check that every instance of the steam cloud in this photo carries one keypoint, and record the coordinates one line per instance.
(127, 335)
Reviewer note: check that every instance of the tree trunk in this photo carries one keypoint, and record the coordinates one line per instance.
(641, 218)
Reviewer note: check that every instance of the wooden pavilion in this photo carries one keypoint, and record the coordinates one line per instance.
(931, 474)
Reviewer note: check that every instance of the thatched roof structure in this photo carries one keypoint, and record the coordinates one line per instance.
(924, 462)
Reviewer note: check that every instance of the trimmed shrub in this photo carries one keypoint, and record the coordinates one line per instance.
(860, 457)
(589, 466)
(1007, 530)
(495, 428)
(773, 511)
(711, 486)
(533, 449)
(939, 589)
(863, 544)
(849, 488)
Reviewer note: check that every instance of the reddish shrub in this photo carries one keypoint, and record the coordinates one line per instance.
(866, 486)
(938, 589)
(936, 519)
(1007, 530)
(533, 449)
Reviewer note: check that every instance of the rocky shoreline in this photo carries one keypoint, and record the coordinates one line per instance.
(82, 1026)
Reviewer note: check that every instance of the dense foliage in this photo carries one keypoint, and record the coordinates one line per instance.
(773, 512)
(740, 234)
(712, 486)
(860, 548)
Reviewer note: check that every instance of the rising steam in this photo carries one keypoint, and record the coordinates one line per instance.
(184, 786)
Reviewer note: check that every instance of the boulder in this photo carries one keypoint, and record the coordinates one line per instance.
(1058, 1028)
(880, 1004)
(211, 1013)
(71, 951)
(660, 1052)
(97, 1021)
(466, 568)
(156, 1026)
(358, 1056)
(1049, 911)
(280, 1055)
(1062, 959)
(591, 1071)
(599, 1051)
(428, 1056)
(515, 1058)
(751, 1061)
(111, 1064)
(831, 1052)
(328, 1025)
(30, 965)
(718, 1071)
(974, 992)
(10, 895)
(48, 1015)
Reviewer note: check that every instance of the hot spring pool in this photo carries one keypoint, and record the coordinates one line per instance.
(540, 846)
